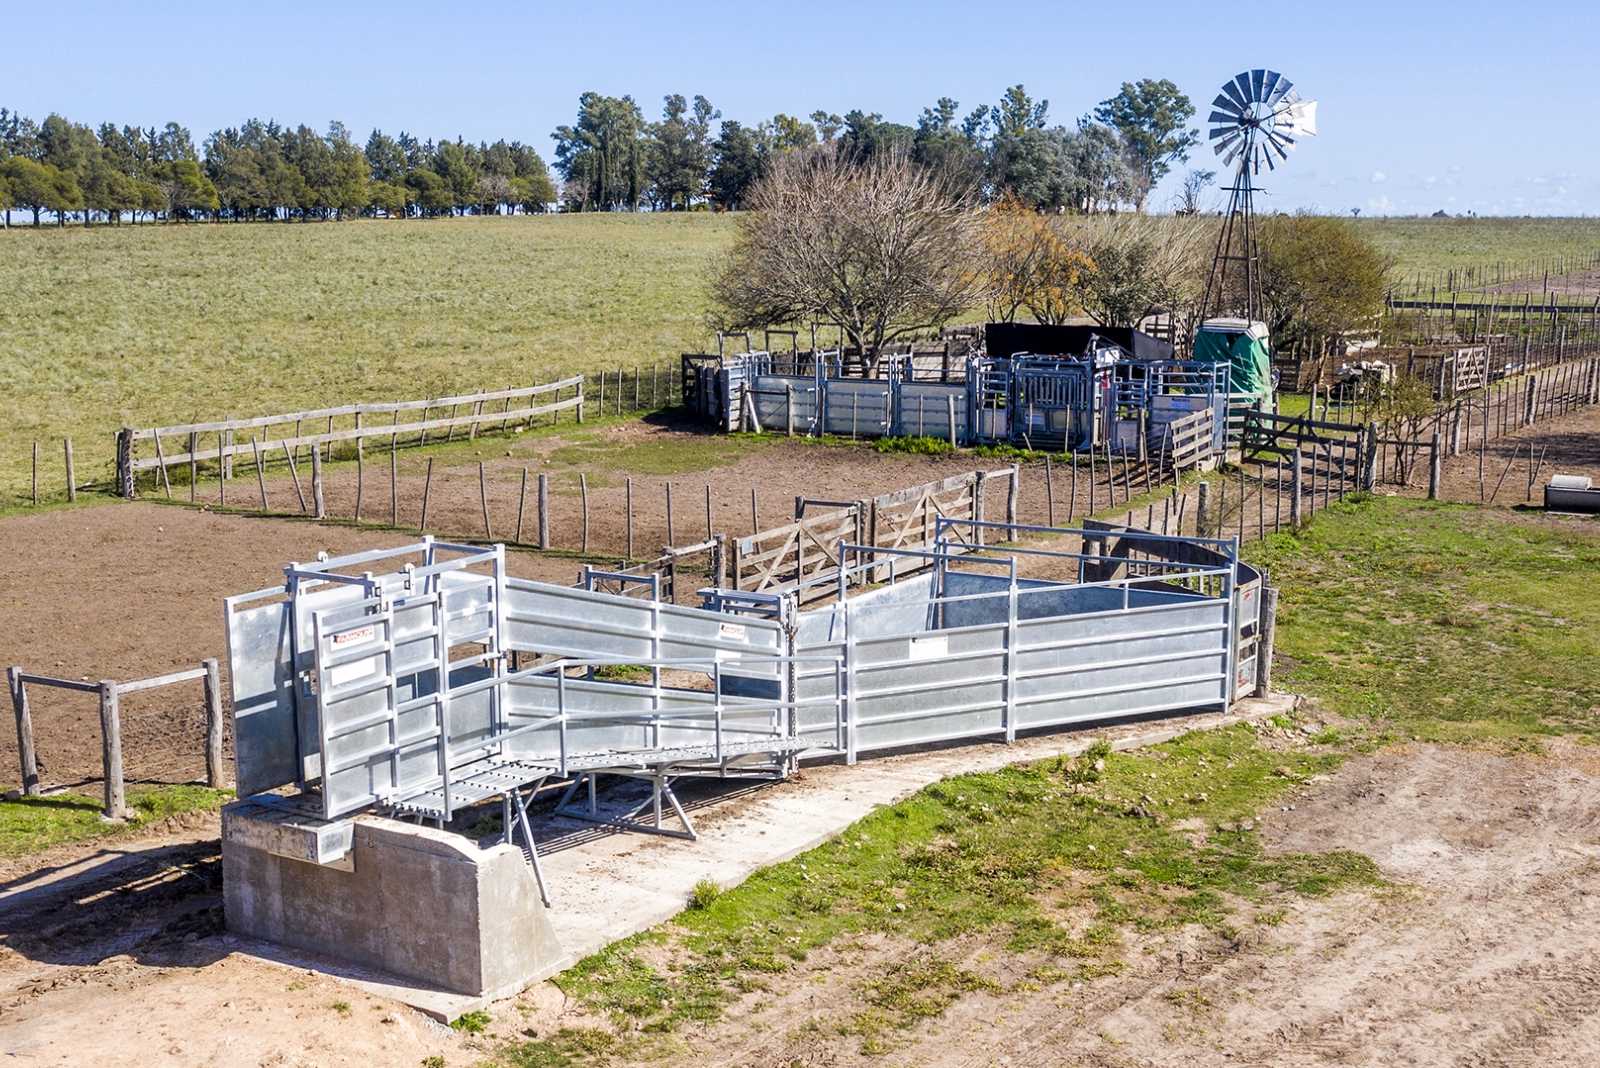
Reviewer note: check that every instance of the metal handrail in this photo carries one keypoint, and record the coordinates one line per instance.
(720, 703)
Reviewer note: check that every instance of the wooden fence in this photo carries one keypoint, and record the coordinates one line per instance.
(520, 406)
(802, 556)
(110, 694)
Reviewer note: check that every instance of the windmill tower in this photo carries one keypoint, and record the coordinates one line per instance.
(1256, 119)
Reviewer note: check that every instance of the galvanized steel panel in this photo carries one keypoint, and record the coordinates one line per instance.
(265, 752)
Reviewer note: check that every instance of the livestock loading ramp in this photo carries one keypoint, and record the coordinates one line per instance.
(442, 683)
(350, 686)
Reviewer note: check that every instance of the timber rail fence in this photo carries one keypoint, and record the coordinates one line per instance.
(517, 406)
(110, 694)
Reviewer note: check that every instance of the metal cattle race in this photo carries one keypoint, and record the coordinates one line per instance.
(442, 683)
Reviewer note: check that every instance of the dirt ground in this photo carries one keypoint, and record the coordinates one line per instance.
(126, 591)
(1568, 445)
(1482, 951)
(779, 470)
(1568, 288)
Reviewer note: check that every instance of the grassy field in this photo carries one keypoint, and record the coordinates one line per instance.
(158, 324)
(1401, 619)
(166, 324)
(1423, 245)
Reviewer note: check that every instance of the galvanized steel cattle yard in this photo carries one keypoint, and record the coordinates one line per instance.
(423, 683)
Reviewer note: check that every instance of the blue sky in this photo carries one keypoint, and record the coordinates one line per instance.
(1423, 106)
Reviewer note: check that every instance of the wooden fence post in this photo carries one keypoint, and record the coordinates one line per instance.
(25, 752)
(483, 501)
(36, 476)
(261, 477)
(1296, 489)
(627, 486)
(1266, 634)
(427, 489)
(212, 684)
(950, 409)
(116, 807)
(394, 483)
(522, 502)
(583, 501)
(319, 504)
(72, 475)
(1369, 459)
(1049, 492)
(1529, 394)
(1202, 514)
(125, 486)
(361, 471)
(1013, 491)
(670, 538)
(544, 510)
(1435, 466)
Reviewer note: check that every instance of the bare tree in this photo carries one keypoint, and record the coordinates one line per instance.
(883, 247)
(1194, 187)
(1140, 264)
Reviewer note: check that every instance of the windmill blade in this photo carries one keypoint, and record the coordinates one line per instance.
(1224, 131)
(1241, 82)
(1257, 76)
(1237, 97)
(1274, 143)
(1223, 121)
(1283, 89)
(1225, 103)
(1227, 142)
(1271, 87)
(1233, 153)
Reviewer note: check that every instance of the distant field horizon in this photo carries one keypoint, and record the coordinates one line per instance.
(149, 324)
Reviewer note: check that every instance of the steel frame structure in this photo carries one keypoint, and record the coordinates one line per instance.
(399, 691)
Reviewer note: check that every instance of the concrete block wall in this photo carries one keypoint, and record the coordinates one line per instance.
(415, 902)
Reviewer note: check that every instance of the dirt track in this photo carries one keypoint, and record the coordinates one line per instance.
(1482, 953)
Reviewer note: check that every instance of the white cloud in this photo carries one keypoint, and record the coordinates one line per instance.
(1381, 205)
(1379, 177)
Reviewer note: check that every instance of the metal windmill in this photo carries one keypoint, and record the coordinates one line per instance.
(1257, 116)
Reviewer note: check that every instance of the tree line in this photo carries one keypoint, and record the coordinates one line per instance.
(256, 171)
(611, 158)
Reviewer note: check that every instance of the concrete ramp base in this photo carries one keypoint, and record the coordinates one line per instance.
(418, 914)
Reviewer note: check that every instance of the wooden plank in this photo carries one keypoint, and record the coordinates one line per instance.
(354, 434)
(169, 679)
(366, 408)
(60, 684)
